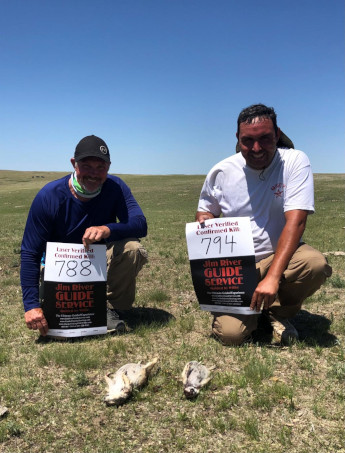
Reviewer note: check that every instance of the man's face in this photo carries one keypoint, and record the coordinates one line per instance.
(258, 142)
(91, 172)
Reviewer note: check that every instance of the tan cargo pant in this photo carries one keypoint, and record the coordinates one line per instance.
(125, 259)
(306, 272)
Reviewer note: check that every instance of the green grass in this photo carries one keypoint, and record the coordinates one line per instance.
(261, 398)
(337, 282)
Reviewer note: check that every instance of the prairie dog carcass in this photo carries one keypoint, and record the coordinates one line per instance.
(127, 378)
(195, 375)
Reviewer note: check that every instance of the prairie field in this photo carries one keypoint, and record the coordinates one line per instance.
(262, 397)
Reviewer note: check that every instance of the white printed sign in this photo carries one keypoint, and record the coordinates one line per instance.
(225, 237)
(73, 263)
(75, 289)
(222, 260)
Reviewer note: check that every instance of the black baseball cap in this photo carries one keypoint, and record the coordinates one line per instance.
(92, 146)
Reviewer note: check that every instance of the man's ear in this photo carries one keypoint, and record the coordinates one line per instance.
(237, 135)
(73, 162)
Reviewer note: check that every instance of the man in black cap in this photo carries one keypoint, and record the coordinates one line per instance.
(85, 207)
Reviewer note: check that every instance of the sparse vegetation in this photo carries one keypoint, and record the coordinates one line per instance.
(262, 397)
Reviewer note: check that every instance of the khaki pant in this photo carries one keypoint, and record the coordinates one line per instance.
(125, 259)
(306, 272)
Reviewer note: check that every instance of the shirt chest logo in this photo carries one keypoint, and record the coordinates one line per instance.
(278, 189)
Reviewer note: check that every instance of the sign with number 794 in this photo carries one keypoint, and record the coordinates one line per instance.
(224, 237)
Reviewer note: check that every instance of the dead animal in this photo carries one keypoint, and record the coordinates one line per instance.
(194, 376)
(127, 378)
(3, 411)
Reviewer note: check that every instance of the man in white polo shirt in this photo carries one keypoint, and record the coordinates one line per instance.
(273, 186)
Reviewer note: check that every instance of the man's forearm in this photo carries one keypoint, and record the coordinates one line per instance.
(135, 227)
(29, 278)
(288, 243)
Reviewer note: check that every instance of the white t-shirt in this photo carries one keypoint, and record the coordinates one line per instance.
(234, 189)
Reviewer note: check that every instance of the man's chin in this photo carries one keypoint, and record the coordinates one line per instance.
(91, 187)
(257, 165)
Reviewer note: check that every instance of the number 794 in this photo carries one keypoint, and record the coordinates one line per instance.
(218, 240)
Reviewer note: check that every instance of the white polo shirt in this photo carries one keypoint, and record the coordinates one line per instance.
(234, 189)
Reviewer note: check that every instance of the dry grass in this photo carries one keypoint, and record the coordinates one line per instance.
(262, 397)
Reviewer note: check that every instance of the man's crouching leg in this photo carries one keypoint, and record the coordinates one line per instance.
(234, 330)
(125, 259)
(306, 272)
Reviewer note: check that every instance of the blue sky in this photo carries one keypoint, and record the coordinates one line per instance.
(163, 81)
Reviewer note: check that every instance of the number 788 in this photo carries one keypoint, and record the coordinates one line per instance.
(72, 267)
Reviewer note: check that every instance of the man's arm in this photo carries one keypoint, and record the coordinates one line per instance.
(131, 220)
(266, 291)
(37, 231)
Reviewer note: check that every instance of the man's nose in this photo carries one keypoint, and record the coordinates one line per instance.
(256, 146)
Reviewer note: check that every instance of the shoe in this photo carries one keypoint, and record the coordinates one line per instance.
(283, 331)
(114, 323)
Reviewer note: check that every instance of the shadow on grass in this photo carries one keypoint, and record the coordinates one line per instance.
(313, 330)
(263, 335)
(134, 318)
(140, 316)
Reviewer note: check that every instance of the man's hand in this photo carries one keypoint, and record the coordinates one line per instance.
(264, 294)
(201, 216)
(95, 234)
(35, 319)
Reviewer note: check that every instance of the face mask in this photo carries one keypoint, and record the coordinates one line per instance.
(79, 190)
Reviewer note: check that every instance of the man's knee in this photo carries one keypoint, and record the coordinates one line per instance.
(320, 268)
(127, 252)
(308, 264)
(124, 261)
(233, 330)
(305, 274)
